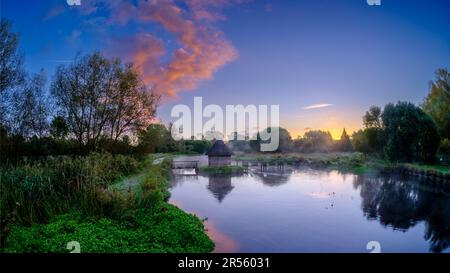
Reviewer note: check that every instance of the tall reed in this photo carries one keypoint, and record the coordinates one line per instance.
(41, 190)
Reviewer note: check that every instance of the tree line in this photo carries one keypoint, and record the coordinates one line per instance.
(94, 103)
(405, 132)
(401, 132)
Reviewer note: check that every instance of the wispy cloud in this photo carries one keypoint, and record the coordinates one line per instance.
(54, 12)
(316, 106)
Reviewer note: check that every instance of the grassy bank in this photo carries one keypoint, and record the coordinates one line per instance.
(81, 199)
(344, 161)
(349, 162)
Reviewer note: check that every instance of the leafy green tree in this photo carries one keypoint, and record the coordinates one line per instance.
(59, 128)
(411, 135)
(315, 141)
(372, 118)
(154, 139)
(437, 102)
(101, 97)
(368, 140)
(285, 143)
(198, 146)
(345, 144)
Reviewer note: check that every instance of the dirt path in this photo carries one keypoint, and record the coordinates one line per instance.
(132, 182)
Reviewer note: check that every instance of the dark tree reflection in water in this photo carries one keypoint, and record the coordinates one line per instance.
(302, 209)
(401, 202)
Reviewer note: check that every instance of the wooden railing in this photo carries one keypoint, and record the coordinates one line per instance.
(185, 165)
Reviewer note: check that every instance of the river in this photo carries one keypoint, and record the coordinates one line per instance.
(300, 209)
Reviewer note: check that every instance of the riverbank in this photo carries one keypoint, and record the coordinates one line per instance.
(96, 208)
(349, 162)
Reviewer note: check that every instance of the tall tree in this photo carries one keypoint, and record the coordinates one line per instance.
(315, 141)
(437, 102)
(11, 66)
(29, 116)
(372, 118)
(132, 105)
(411, 135)
(102, 98)
(345, 144)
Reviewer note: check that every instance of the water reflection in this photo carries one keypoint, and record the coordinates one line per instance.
(272, 176)
(401, 202)
(220, 186)
(223, 242)
(299, 209)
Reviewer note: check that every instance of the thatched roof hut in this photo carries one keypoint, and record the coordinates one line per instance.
(219, 154)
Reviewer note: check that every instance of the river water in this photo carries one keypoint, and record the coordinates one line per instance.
(300, 209)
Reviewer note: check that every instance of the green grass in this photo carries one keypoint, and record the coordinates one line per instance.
(349, 162)
(436, 168)
(42, 190)
(165, 230)
(225, 170)
(44, 206)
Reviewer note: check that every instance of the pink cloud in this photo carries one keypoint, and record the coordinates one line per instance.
(202, 52)
(202, 47)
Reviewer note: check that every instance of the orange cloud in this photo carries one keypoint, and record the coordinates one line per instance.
(202, 48)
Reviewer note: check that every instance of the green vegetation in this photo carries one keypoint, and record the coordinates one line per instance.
(74, 161)
(163, 229)
(223, 170)
(347, 162)
(44, 189)
(443, 169)
(79, 198)
(398, 133)
(437, 102)
(410, 134)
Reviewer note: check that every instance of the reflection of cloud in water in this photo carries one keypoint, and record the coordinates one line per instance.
(223, 242)
(175, 203)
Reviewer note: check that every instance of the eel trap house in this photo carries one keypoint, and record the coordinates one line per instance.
(219, 155)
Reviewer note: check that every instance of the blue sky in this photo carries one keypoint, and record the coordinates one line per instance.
(298, 53)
